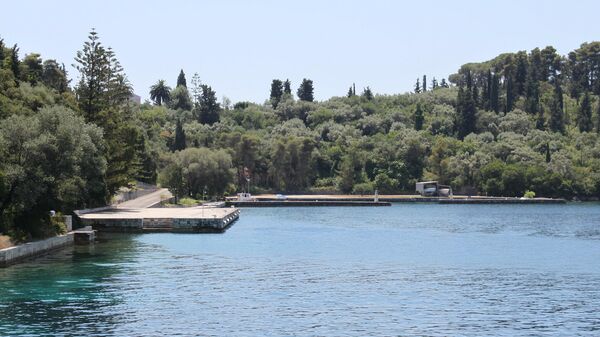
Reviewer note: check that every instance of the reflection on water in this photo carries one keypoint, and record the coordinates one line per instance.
(405, 270)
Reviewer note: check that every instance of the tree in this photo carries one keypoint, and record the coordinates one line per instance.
(32, 68)
(367, 94)
(417, 86)
(14, 62)
(276, 92)
(287, 87)
(584, 114)
(55, 76)
(208, 110)
(52, 160)
(160, 92)
(540, 122)
(424, 83)
(434, 84)
(419, 117)
(180, 99)
(557, 115)
(305, 91)
(444, 84)
(350, 92)
(179, 143)
(102, 83)
(494, 94)
(181, 79)
(466, 112)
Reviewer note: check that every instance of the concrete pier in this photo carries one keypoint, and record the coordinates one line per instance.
(192, 219)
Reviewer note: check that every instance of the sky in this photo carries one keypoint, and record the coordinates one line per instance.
(238, 47)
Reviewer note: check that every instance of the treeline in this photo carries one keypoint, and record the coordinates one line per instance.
(525, 121)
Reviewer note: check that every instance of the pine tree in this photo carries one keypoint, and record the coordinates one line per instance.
(434, 84)
(557, 116)
(424, 83)
(181, 79)
(417, 86)
(367, 94)
(287, 87)
(276, 92)
(305, 91)
(179, 143)
(419, 119)
(584, 114)
(350, 92)
(444, 84)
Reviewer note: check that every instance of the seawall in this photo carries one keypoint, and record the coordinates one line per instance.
(12, 255)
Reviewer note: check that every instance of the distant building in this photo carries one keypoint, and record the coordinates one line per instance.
(433, 189)
(135, 98)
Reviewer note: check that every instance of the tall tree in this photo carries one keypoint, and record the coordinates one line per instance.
(540, 122)
(557, 115)
(367, 94)
(350, 92)
(179, 143)
(434, 84)
(495, 94)
(419, 119)
(287, 87)
(276, 92)
(181, 79)
(14, 62)
(466, 112)
(424, 83)
(417, 86)
(584, 114)
(209, 108)
(444, 84)
(160, 92)
(180, 99)
(305, 91)
(55, 76)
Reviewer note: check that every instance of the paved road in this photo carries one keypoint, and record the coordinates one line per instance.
(148, 200)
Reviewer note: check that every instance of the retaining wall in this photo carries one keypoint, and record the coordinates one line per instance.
(18, 253)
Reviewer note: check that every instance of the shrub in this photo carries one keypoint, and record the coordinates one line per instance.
(529, 194)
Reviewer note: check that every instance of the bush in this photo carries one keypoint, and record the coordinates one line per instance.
(57, 225)
(364, 188)
(529, 194)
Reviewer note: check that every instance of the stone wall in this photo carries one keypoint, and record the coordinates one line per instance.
(15, 254)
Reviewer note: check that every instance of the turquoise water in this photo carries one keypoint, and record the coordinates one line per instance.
(405, 270)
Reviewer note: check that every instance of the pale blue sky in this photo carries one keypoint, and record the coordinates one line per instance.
(238, 47)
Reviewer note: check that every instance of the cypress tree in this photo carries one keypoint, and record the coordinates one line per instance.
(557, 116)
(466, 117)
(424, 83)
(181, 79)
(495, 94)
(487, 92)
(434, 84)
(532, 93)
(2, 56)
(417, 86)
(598, 117)
(287, 87)
(14, 62)
(305, 91)
(276, 92)
(179, 143)
(419, 119)
(350, 92)
(521, 73)
(584, 114)
(510, 97)
(367, 94)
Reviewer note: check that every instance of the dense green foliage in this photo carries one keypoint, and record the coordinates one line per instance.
(521, 122)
